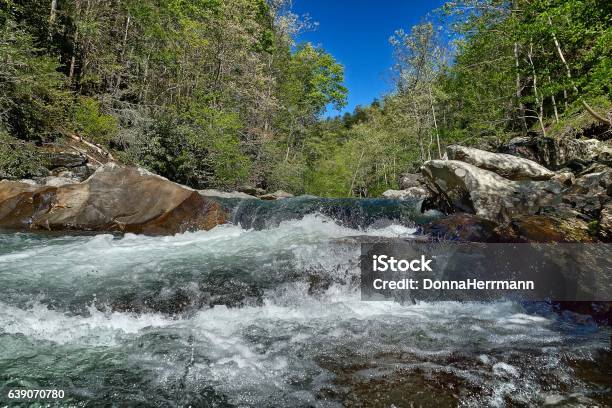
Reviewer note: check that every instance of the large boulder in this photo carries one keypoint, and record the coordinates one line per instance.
(114, 198)
(508, 166)
(464, 187)
(556, 153)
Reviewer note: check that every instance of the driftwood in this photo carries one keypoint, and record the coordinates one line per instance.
(95, 147)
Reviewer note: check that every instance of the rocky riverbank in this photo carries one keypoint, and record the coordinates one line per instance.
(502, 197)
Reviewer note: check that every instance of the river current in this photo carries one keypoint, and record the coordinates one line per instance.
(266, 312)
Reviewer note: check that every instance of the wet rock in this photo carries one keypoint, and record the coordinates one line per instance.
(277, 195)
(464, 227)
(508, 166)
(410, 192)
(583, 312)
(558, 152)
(464, 187)
(115, 198)
(551, 228)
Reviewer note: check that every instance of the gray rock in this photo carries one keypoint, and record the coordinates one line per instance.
(250, 190)
(65, 159)
(464, 187)
(564, 177)
(57, 181)
(226, 194)
(605, 223)
(590, 192)
(278, 195)
(558, 152)
(408, 180)
(410, 192)
(508, 166)
(79, 173)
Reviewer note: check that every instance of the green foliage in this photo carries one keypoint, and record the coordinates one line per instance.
(215, 93)
(199, 148)
(93, 124)
(32, 96)
(19, 159)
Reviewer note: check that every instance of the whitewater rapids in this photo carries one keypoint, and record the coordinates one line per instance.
(268, 317)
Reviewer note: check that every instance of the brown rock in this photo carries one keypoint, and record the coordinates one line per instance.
(115, 198)
(551, 228)
(464, 227)
(605, 223)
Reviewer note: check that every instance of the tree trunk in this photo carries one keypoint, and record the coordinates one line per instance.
(355, 173)
(52, 15)
(435, 121)
(539, 101)
(518, 88)
(75, 43)
(554, 103)
(568, 72)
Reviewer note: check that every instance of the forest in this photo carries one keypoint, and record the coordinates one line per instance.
(220, 94)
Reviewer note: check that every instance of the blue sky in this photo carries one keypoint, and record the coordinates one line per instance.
(356, 33)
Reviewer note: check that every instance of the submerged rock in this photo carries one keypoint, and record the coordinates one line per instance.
(464, 187)
(114, 198)
(508, 166)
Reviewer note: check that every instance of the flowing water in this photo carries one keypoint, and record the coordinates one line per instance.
(266, 312)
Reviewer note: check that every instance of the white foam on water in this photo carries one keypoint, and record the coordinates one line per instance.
(99, 328)
(250, 353)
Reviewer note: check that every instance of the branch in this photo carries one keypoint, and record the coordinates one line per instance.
(98, 149)
(595, 114)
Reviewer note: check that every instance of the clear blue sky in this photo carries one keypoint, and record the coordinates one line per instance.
(356, 33)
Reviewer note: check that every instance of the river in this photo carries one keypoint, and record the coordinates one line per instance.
(266, 312)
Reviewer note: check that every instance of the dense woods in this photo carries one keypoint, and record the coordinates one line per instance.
(217, 93)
